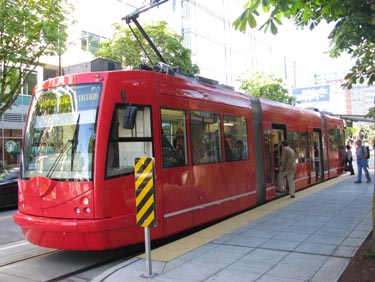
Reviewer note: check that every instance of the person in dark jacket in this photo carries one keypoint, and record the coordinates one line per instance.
(349, 159)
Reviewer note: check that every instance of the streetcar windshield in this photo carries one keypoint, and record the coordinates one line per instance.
(60, 133)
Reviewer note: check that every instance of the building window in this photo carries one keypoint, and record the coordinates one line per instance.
(29, 83)
(186, 36)
(90, 42)
(10, 147)
(186, 10)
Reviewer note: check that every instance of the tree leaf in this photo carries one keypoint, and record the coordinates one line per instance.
(251, 21)
(273, 28)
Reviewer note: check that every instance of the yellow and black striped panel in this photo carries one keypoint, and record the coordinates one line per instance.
(145, 192)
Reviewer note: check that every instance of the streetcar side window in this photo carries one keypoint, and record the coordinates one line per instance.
(294, 144)
(173, 136)
(127, 144)
(235, 134)
(303, 147)
(205, 137)
(334, 136)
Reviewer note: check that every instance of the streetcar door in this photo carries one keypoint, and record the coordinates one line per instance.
(278, 134)
(124, 146)
(272, 149)
(316, 153)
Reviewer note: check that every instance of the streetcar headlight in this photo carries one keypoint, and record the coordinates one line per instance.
(77, 210)
(84, 201)
(86, 210)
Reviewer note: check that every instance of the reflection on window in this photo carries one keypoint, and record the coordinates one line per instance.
(125, 145)
(205, 137)
(235, 138)
(173, 137)
(334, 138)
(294, 144)
(303, 147)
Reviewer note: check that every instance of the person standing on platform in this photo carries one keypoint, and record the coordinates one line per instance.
(287, 168)
(362, 163)
(349, 160)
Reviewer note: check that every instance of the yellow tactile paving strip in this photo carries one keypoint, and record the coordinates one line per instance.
(198, 239)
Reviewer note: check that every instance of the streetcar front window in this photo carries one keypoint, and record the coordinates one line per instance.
(60, 133)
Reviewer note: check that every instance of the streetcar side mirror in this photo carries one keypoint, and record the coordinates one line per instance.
(129, 117)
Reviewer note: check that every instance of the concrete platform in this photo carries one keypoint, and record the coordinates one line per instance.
(309, 238)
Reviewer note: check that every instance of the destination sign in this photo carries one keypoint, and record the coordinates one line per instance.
(86, 98)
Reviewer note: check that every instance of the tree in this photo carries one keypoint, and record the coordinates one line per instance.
(29, 29)
(365, 133)
(124, 47)
(350, 132)
(353, 31)
(267, 86)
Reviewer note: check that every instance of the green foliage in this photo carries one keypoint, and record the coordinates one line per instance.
(350, 131)
(369, 254)
(267, 86)
(28, 30)
(364, 68)
(371, 113)
(124, 47)
(365, 133)
(353, 31)
(372, 135)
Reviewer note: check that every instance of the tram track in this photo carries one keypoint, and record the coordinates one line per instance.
(20, 251)
(33, 263)
(2, 264)
(65, 276)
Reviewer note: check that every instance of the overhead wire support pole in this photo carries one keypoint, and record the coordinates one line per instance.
(133, 18)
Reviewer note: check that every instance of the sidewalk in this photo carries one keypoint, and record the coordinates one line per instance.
(309, 238)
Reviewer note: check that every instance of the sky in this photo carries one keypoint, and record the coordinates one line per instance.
(311, 47)
(305, 47)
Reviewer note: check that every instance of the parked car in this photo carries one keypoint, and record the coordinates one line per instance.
(9, 187)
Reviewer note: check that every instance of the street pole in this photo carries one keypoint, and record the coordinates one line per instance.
(60, 67)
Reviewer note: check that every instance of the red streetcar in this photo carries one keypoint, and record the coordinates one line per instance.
(213, 151)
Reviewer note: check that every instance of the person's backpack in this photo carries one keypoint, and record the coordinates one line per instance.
(367, 152)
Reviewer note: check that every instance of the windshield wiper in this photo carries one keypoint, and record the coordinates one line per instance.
(52, 169)
(74, 143)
